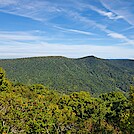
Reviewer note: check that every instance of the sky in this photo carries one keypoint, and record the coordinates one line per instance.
(70, 28)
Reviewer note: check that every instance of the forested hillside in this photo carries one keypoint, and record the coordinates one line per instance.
(64, 74)
(34, 109)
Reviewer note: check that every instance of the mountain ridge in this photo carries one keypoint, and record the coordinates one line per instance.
(88, 73)
(83, 57)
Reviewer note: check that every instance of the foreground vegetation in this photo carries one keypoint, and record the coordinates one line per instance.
(36, 110)
(70, 75)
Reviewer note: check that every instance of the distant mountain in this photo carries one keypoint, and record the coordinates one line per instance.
(65, 74)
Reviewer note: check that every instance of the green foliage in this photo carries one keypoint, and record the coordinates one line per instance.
(131, 118)
(36, 110)
(4, 83)
(119, 109)
(70, 75)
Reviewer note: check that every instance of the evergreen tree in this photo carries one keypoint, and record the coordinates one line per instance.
(4, 83)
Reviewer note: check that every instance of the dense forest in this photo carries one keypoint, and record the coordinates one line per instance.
(67, 75)
(35, 109)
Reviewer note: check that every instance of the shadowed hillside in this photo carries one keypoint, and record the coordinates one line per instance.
(88, 73)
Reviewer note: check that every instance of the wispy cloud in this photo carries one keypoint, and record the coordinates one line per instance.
(30, 43)
(15, 45)
(129, 28)
(8, 2)
(123, 38)
(103, 12)
(121, 8)
(39, 37)
(87, 21)
(117, 35)
(115, 11)
(19, 35)
(110, 15)
(36, 10)
(42, 10)
(72, 51)
(74, 31)
(92, 23)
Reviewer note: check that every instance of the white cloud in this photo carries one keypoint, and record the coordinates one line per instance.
(122, 8)
(8, 2)
(15, 45)
(72, 51)
(92, 23)
(36, 36)
(117, 36)
(74, 31)
(88, 22)
(122, 37)
(18, 36)
(110, 15)
(37, 9)
(129, 28)
(45, 10)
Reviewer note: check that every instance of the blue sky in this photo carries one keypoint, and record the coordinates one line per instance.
(71, 28)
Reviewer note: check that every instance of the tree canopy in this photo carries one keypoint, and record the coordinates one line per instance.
(29, 109)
